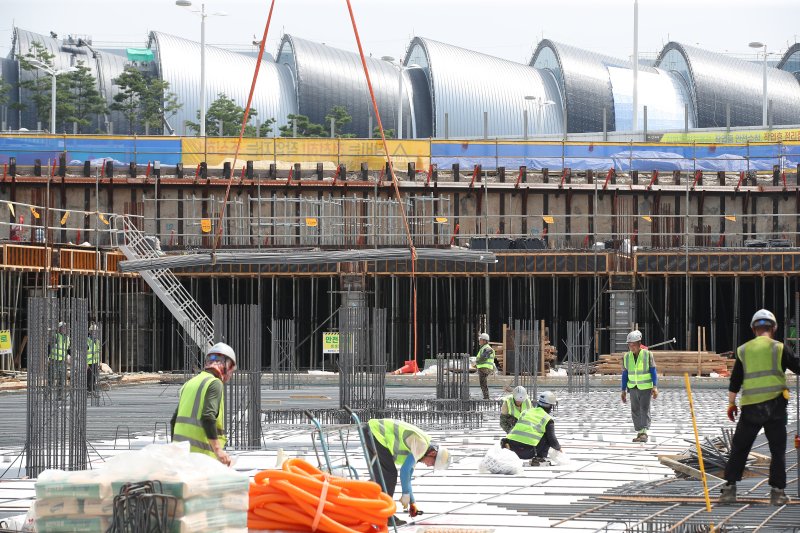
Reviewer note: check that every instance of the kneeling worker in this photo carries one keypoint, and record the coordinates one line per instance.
(403, 445)
(534, 434)
(513, 406)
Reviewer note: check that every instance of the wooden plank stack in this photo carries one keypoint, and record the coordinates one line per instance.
(545, 348)
(672, 363)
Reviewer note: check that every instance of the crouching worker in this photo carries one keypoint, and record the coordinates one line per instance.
(398, 444)
(513, 406)
(534, 433)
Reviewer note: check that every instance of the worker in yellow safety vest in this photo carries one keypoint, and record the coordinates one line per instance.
(513, 406)
(92, 358)
(484, 362)
(640, 380)
(760, 374)
(397, 444)
(58, 356)
(199, 418)
(534, 433)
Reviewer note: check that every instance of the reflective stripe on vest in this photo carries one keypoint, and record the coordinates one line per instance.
(639, 370)
(512, 408)
(530, 428)
(92, 352)
(392, 434)
(763, 377)
(59, 349)
(188, 424)
(489, 363)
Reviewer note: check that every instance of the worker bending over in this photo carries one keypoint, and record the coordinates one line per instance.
(513, 406)
(484, 362)
(535, 433)
(760, 373)
(639, 378)
(400, 444)
(200, 416)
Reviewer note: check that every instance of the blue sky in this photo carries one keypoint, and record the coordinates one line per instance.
(504, 28)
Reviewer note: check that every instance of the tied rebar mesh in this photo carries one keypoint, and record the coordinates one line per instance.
(452, 377)
(284, 357)
(362, 358)
(239, 326)
(57, 395)
(193, 355)
(578, 355)
(523, 343)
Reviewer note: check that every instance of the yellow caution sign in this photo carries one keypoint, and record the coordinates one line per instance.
(311, 222)
(441, 220)
(103, 219)
(5, 342)
(647, 218)
(205, 225)
(548, 219)
(330, 342)
(732, 218)
(64, 218)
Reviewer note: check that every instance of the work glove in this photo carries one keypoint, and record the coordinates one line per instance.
(655, 392)
(733, 411)
(405, 500)
(413, 511)
(624, 397)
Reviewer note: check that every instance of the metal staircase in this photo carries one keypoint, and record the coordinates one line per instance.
(136, 245)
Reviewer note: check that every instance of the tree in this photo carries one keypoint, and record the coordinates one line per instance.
(5, 97)
(39, 84)
(143, 99)
(376, 132)
(224, 110)
(127, 101)
(266, 128)
(82, 100)
(305, 128)
(341, 118)
(158, 103)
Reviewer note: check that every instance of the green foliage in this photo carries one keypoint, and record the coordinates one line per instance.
(78, 99)
(5, 90)
(143, 99)
(40, 83)
(306, 128)
(128, 101)
(376, 132)
(231, 115)
(341, 118)
(266, 128)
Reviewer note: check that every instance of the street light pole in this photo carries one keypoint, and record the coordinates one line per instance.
(53, 74)
(764, 103)
(399, 67)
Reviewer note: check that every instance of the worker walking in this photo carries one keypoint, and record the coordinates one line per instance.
(199, 418)
(534, 433)
(484, 362)
(92, 359)
(639, 378)
(513, 406)
(760, 374)
(400, 444)
(57, 360)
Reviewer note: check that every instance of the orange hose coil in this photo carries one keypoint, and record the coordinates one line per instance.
(300, 497)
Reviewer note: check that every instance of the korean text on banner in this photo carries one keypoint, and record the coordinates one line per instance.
(330, 342)
(5, 342)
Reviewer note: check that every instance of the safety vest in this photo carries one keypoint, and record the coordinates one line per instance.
(392, 434)
(489, 363)
(529, 429)
(763, 377)
(58, 352)
(515, 411)
(92, 351)
(639, 370)
(188, 425)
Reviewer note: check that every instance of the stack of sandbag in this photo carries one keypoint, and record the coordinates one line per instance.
(208, 495)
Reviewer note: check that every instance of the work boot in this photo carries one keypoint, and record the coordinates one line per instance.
(539, 461)
(728, 493)
(641, 437)
(778, 497)
(398, 521)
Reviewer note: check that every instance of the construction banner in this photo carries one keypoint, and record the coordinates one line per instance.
(5, 342)
(216, 151)
(330, 342)
(733, 137)
(353, 152)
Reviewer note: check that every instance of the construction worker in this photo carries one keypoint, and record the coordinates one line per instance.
(92, 358)
(400, 444)
(58, 355)
(513, 406)
(199, 418)
(639, 378)
(534, 434)
(484, 362)
(760, 373)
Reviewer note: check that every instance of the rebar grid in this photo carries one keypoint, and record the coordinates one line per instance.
(452, 377)
(524, 341)
(283, 358)
(240, 327)
(57, 395)
(362, 357)
(579, 348)
(428, 419)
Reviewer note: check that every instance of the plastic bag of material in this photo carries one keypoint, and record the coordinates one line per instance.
(500, 461)
(557, 458)
(212, 520)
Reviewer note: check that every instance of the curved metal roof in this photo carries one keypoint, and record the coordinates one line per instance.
(226, 72)
(790, 61)
(463, 84)
(717, 81)
(326, 77)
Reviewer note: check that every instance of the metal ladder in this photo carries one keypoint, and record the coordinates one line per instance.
(135, 245)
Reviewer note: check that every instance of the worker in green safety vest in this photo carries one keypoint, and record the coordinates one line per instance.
(513, 406)
(92, 358)
(534, 433)
(397, 444)
(760, 374)
(58, 356)
(199, 418)
(484, 362)
(640, 380)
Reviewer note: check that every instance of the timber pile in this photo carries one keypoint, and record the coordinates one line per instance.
(548, 351)
(673, 363)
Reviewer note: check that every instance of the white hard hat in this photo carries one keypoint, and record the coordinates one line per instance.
(62, 324)
(547, 399)
(92, 327)
(222, 349)
(634, 336)
(762, 316)
(484, 337)
(443, 458)
(519, 394)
